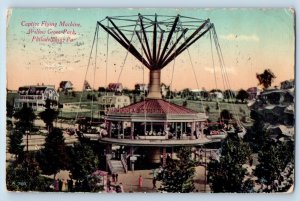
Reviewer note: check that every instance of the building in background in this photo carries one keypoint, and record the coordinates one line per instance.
(141, 87)
(253, 92)
(116, 87)
(113, 101)
(35, 96)
(287, 84)
(65, 86)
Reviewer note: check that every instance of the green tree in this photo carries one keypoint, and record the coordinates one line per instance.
(207, 109)
(215, 90)
(227, 174)
(23, 176)
(266, 78)
(204, 94)
(15, 143)
(25, 118)
(101, 89)
(185, 93)
(268, 168)
(229, 94)
(53, 157)
(83, 161)
(273, 158)
(257, 135)
(177, 176)
(9, 109)
(48, 115)
(225, 116)
(242, 95)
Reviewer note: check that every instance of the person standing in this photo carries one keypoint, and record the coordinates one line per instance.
(70, 185)
(178, 133)
(154, 182)
(140, 181)
(64, 186)
(116, 175)
(56, 185)
(108, 183)
(60, 184)
(121, 188)
(113, 177)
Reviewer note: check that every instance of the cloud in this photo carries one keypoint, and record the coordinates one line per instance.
(229, 70)
(235, 37)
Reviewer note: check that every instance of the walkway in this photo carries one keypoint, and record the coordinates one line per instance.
(159, 143)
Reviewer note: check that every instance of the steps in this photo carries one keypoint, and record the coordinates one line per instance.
(116, 166)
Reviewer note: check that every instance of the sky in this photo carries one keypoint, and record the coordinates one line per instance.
(251, 40)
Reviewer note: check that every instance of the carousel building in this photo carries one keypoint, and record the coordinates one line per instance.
(154, 124)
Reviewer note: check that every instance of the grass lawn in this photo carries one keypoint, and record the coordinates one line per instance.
(236, 109)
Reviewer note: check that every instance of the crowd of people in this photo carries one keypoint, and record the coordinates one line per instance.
(63, 185)
(112, 184)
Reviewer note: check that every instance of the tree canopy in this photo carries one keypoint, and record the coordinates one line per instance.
(225, 116)
(15, 142)
(23, 176)
(273, 159)
(48, 115)
(266, 78)
(83, 160)
(25, 118)
(53, 157)
(242, 95)
(177, 176)
(227, 174)
(229, 94)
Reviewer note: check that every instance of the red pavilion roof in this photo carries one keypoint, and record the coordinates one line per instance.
(153, 106)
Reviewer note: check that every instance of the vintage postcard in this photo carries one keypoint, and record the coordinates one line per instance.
(150, 100)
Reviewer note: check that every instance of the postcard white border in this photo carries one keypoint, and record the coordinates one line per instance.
(4, 195)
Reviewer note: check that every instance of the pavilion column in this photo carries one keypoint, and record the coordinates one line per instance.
(109, 129)
(202, 129)
(193, 127)
(108, 152)
(131, 161)
(181, 129)
(164, 157)
(119, 126)
(108, 148)
(132, 130)
(165, 126)
(151, 123)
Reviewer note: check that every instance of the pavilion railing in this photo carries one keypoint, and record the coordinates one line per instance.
(108, 162)
(124, 162)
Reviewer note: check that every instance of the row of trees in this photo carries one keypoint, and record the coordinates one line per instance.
(228, 173)
(24, 173)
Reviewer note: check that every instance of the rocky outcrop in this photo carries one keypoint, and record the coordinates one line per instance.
(276, 109)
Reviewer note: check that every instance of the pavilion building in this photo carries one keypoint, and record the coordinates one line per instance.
(153, 124)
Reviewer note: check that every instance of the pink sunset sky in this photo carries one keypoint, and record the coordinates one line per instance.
(251, 41)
